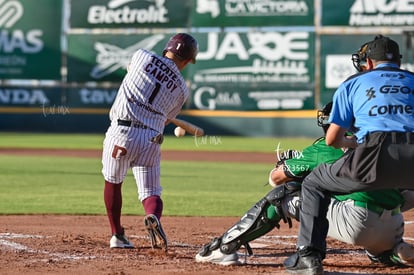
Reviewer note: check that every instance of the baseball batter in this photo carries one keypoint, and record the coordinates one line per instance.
(152, 92)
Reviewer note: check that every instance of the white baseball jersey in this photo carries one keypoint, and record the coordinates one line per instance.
(152, 91)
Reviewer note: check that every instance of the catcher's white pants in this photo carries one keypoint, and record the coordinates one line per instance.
(359, 226)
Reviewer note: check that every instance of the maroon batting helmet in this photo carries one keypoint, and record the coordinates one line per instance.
(183, 45)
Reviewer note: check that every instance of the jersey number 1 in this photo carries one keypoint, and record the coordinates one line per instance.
(154, 92)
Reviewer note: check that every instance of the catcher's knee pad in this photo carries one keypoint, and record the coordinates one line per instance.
(285, 198)
(291, 188)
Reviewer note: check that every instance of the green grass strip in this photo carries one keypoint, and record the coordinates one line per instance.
(56, 185)
(72, 185)
(206, 143)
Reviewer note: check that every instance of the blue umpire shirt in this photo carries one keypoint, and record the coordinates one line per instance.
(379, 100)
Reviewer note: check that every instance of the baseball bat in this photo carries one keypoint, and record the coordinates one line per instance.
(188, 127)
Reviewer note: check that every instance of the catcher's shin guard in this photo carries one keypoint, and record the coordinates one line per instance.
(253, 224)
(258, 220)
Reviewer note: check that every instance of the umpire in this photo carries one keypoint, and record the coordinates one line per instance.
(379, 105)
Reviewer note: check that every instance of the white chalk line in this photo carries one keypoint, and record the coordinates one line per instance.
(5, 243)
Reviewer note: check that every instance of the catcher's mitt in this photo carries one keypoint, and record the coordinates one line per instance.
(280, 160)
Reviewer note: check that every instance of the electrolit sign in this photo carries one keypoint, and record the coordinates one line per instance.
(129, 13)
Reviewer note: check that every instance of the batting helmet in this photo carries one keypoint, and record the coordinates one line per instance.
(323, 116)
(183, 45)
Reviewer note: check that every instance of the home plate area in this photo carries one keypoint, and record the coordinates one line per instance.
(70, 244)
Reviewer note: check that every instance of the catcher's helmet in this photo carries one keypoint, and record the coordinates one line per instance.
(183, 45)
(323, 115)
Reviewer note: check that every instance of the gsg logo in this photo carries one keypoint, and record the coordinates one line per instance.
(393, 89)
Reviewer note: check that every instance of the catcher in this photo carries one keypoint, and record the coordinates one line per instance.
(372, 220)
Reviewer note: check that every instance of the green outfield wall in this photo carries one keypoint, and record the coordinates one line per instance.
(264, 66)
(62, 119)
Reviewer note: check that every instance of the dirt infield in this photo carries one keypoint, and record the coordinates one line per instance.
(60, 244)
(79, 245)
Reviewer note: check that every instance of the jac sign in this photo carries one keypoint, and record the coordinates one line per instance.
(270, 46)
(255, 57)
(253, 71)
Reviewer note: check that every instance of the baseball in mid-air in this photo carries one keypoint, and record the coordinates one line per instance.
(179, 132)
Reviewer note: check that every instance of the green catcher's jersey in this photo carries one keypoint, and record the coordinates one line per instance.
(307, 160)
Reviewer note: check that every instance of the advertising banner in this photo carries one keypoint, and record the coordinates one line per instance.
(248, 98)
(58, 100)
(370, 13)
(40, 97)
(104, 57)
(336, 62)
(129, 13)
(253, 71)
(30, 39)
(231, 13)
(87, 97)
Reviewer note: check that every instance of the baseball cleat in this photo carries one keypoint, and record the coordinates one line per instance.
(217, 257)
(155, 232)
(120, 241)
(404, 254)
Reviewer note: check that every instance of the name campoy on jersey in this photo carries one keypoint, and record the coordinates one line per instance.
(160, 71)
